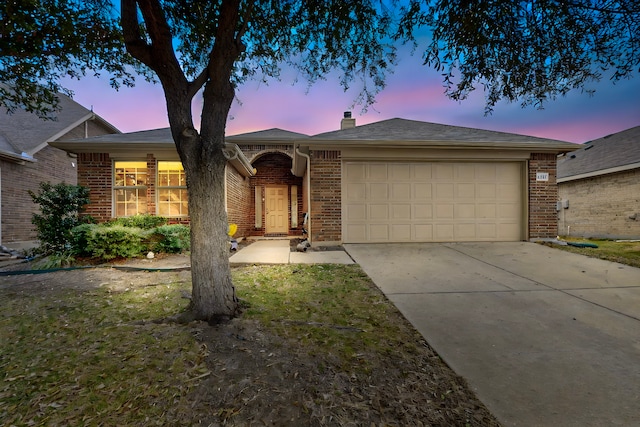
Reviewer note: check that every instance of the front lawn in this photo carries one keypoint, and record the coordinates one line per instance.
(623, 252)
(316, 345)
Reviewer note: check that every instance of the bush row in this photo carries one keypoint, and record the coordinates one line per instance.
(129, 238)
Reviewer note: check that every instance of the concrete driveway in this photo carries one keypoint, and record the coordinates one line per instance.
(544, 337)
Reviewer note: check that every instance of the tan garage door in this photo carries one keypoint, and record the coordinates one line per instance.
(432, 202)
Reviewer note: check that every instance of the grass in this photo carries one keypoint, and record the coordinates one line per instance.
(321, 306)
(78, 358)
(623, 252)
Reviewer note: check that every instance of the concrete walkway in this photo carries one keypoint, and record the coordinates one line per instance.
(279, 252)
(544, 337)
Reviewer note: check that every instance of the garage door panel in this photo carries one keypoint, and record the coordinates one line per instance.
(422, 211)
(401, 232)
(356, 212)
(486, 231)
(486, 211)
(421, 171)
(508, 229)
(444, 211)
(443, 172)
(422, 191)
(379, 232)
(401, 212)
(377, 172)
(401, 191)
(379, 211)
(356, 191)
(357, 232)
(486, 190)
(465, 172)
(466, 232)
(444, 232)
(466, 191)
(432, 201)
(398, 172)
(465, 211)
(444, 191)
(509, 211)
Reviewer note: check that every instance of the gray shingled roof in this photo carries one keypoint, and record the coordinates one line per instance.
(412, 130)
(163, 136)
(267, 135)
(25, 132)
(612, 151)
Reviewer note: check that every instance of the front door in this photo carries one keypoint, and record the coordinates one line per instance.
(277, 203)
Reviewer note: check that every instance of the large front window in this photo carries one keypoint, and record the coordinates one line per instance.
(172, 190)
(130, 188)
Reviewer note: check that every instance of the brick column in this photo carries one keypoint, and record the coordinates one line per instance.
(326, 196)
(151, 184)
(543, 195)
(95, 172)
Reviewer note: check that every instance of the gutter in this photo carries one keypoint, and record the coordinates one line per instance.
(17, 158)
(308, 213)
(236, 157)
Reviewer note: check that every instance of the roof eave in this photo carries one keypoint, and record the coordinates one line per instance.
(239, 161)
(16, 158)
(559, 147)
(600, 172)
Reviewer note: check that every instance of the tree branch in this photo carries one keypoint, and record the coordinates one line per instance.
(135, 44)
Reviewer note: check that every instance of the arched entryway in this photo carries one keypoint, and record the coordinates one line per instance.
(278, 196)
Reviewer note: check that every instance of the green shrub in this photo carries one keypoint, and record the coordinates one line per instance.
(172, 239)
(60, 205)
(145, 222)
(80, 237)
(116, 241)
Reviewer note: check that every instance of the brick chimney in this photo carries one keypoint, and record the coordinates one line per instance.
(347, 122)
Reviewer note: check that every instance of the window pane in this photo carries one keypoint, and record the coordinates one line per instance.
(131, 202)
(130, 174)
(173, 203)
(130, 196)
(171, 174)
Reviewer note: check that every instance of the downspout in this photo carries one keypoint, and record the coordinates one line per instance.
(306, 156)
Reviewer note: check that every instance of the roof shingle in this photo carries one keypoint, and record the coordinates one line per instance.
(611, 151)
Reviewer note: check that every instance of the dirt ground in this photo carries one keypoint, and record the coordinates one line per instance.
(263, 380)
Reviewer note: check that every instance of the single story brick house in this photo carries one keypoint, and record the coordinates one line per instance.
(599, 188)
(391, 181)
(27, 159)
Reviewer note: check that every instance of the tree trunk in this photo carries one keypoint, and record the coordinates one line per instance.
(214, 298)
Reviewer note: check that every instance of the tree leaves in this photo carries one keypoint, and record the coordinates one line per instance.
(529, 51)
(44, 41)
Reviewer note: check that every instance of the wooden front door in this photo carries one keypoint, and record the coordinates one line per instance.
(277, 203)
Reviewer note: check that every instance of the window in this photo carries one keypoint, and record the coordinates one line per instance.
(130, 188)
(172, 190)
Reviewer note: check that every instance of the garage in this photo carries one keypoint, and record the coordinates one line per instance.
(433, 201)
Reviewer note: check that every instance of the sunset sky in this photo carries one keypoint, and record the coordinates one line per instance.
(413, 92)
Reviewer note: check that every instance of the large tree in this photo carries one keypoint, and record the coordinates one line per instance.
(530, 51)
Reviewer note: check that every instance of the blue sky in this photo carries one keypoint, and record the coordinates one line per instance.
(413, 92)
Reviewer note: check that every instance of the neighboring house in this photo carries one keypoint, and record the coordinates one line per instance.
(391, 181)
(27, 159)
(599, 188)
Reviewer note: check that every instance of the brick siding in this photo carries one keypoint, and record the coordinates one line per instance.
(543, 196)
(239, 202)
(326, 196)
(95, 172)
(52, 165)
(606, 206)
